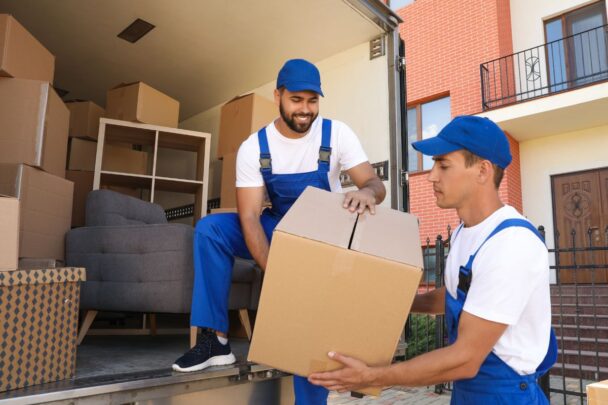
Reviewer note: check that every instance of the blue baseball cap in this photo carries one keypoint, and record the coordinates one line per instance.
(479, 135)
(299, 75)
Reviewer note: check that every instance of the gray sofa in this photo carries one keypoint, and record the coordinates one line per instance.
(137, 262)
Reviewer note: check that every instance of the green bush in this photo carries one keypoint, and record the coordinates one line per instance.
(421, 337)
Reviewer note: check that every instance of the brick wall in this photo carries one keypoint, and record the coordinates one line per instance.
(445, 42)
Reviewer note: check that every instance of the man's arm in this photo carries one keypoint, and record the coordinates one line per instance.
(249, 202)
(432, 302)
(370, 191)
(476, 337)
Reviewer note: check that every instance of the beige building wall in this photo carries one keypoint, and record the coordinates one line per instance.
(527, 19)
(356, 92)
(564, 153)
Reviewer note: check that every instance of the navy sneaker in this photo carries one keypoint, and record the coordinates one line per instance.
(207, 352)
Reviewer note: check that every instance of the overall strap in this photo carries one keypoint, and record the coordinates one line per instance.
(325, 149)
(465, 274)
(265, 160)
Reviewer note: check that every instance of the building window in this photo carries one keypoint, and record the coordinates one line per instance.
(425, 120)
(576, 47)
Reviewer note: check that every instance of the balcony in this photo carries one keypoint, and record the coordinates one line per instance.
(555, 67)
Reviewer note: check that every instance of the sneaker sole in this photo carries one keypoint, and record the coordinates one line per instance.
(214, 361)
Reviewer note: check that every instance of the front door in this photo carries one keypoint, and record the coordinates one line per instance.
(581, 222)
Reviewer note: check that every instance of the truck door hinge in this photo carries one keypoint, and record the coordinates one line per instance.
(400, 65)
(405, 178)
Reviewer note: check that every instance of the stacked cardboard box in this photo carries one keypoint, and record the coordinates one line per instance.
(139, 102)
(9, 237)
(84, 119)
(34, 125)
(239, 118)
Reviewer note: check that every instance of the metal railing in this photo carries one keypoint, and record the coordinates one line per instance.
(580, 312)
(565, 64)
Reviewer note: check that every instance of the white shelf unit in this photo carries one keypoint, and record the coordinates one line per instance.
(154, 138)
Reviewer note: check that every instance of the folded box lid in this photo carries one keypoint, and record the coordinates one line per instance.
(318, 215)
(390, 234)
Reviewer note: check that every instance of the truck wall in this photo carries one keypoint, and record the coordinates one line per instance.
(356, 92)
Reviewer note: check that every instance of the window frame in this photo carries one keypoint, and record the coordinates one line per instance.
(566, 32)
(417, 105)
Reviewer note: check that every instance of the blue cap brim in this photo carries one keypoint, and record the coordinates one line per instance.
(304, 86)
(435, 146)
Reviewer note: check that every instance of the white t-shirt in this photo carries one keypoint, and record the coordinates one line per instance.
(510, 285)
(299, 155)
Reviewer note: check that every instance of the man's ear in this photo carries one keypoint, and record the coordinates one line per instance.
(277, 96)
(486, 172)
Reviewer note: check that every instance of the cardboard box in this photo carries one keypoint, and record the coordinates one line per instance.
(39, 326)
(228, 187)
(83, 185)
(45, 203)
(9, 234)
(21, 55)
(139, 102)
(36, 264)
(336, 281)
(597, 393)
(116, 158)
(242, 116)
(84, 119)
(34, 124)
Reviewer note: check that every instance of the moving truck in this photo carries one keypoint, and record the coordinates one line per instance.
(205, 53)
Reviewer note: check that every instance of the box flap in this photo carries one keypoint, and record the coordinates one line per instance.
(238, 97)
(390, 234)
(123, 84)
(332, 224)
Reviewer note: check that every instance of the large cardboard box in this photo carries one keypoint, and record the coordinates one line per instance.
(45, 203)
(139, 102)
(242, 116)
(116, 158)
(83, 185)
(9, 233)
(336, 281)
(21, 55)
(39, 325)
(597, 393)
(84, 119)
(34, 125)
(228, 188)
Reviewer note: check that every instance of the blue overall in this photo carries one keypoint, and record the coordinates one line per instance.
(496, 382)
(218, 238)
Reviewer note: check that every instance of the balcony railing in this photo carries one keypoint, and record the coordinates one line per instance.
(557, 66)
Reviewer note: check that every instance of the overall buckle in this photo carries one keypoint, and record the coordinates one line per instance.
(324, 154)
(265, 161)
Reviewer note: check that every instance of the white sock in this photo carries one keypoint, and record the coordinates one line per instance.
(222, 340)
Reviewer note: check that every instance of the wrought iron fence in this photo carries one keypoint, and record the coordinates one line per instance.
(580, 312)
(556, 66)
(579, 295)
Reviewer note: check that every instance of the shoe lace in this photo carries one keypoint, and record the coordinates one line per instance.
(203, 343)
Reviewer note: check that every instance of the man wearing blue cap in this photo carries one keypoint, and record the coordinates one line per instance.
(297, 150)
(496, 296)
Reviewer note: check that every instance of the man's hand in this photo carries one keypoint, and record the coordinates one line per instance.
(353, 376)
(371, 190)
(360, 200)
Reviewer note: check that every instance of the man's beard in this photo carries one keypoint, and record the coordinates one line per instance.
(293, 125)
